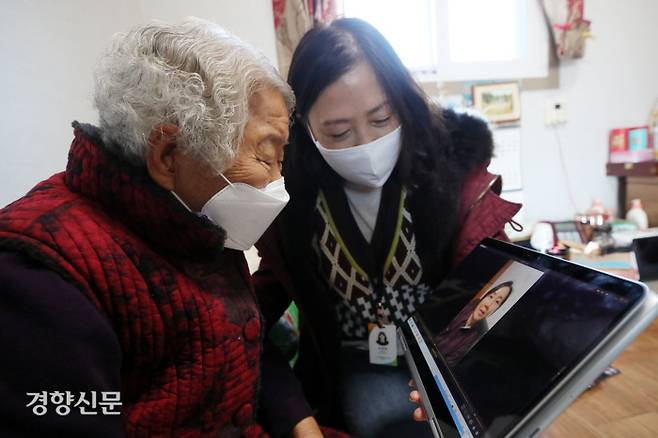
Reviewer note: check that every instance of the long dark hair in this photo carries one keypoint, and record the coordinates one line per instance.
(323, 55)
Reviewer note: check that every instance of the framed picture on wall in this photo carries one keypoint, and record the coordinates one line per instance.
(499, 103)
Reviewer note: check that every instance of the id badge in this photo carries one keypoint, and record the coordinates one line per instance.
(382, 344)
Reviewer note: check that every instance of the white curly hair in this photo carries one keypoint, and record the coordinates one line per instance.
(195, 75)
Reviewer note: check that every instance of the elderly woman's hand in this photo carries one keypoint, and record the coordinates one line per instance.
(307, 428)
(414, 396)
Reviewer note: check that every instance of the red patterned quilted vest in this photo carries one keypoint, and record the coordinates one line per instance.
(182, 307)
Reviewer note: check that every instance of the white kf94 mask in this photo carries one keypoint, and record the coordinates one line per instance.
(368, 164)
(244, 211)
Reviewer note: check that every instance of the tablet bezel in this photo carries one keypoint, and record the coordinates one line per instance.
(579, 376)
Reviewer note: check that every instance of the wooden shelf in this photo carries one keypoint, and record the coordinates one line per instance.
(637, 180)
(644, 168)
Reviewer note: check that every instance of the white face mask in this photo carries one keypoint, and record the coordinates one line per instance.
(244, 211)
(368, 164)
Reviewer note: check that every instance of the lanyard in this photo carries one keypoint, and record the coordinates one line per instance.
(380, 312)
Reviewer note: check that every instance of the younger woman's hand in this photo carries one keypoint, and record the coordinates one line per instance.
(414, 396)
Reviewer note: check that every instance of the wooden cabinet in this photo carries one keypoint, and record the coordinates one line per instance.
(637, 180)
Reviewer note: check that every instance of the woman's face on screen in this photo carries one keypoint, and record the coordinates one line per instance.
(490, 303)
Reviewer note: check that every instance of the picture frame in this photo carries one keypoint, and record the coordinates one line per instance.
(499, 102)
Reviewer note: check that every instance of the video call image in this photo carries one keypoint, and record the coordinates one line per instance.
(508, 331)
(485, 309)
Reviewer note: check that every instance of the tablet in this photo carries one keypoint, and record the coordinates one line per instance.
(512, 336)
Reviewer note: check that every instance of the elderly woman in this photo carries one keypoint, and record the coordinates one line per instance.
(127, 306)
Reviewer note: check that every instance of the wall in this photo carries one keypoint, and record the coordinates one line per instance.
(614, 85)
(49, 49)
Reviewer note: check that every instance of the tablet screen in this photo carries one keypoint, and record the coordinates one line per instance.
(503, 329)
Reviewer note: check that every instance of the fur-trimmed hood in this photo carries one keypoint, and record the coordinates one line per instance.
(438, 205)
(472, 143)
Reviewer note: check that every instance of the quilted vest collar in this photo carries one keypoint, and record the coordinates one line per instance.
(128, 193)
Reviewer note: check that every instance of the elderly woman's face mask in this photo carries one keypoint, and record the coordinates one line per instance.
(245, 212)
(251, 193)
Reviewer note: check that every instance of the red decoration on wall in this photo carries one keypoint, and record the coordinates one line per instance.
(569, 27)
(278, 6)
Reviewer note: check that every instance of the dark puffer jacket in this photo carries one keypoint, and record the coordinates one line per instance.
(289, 270)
